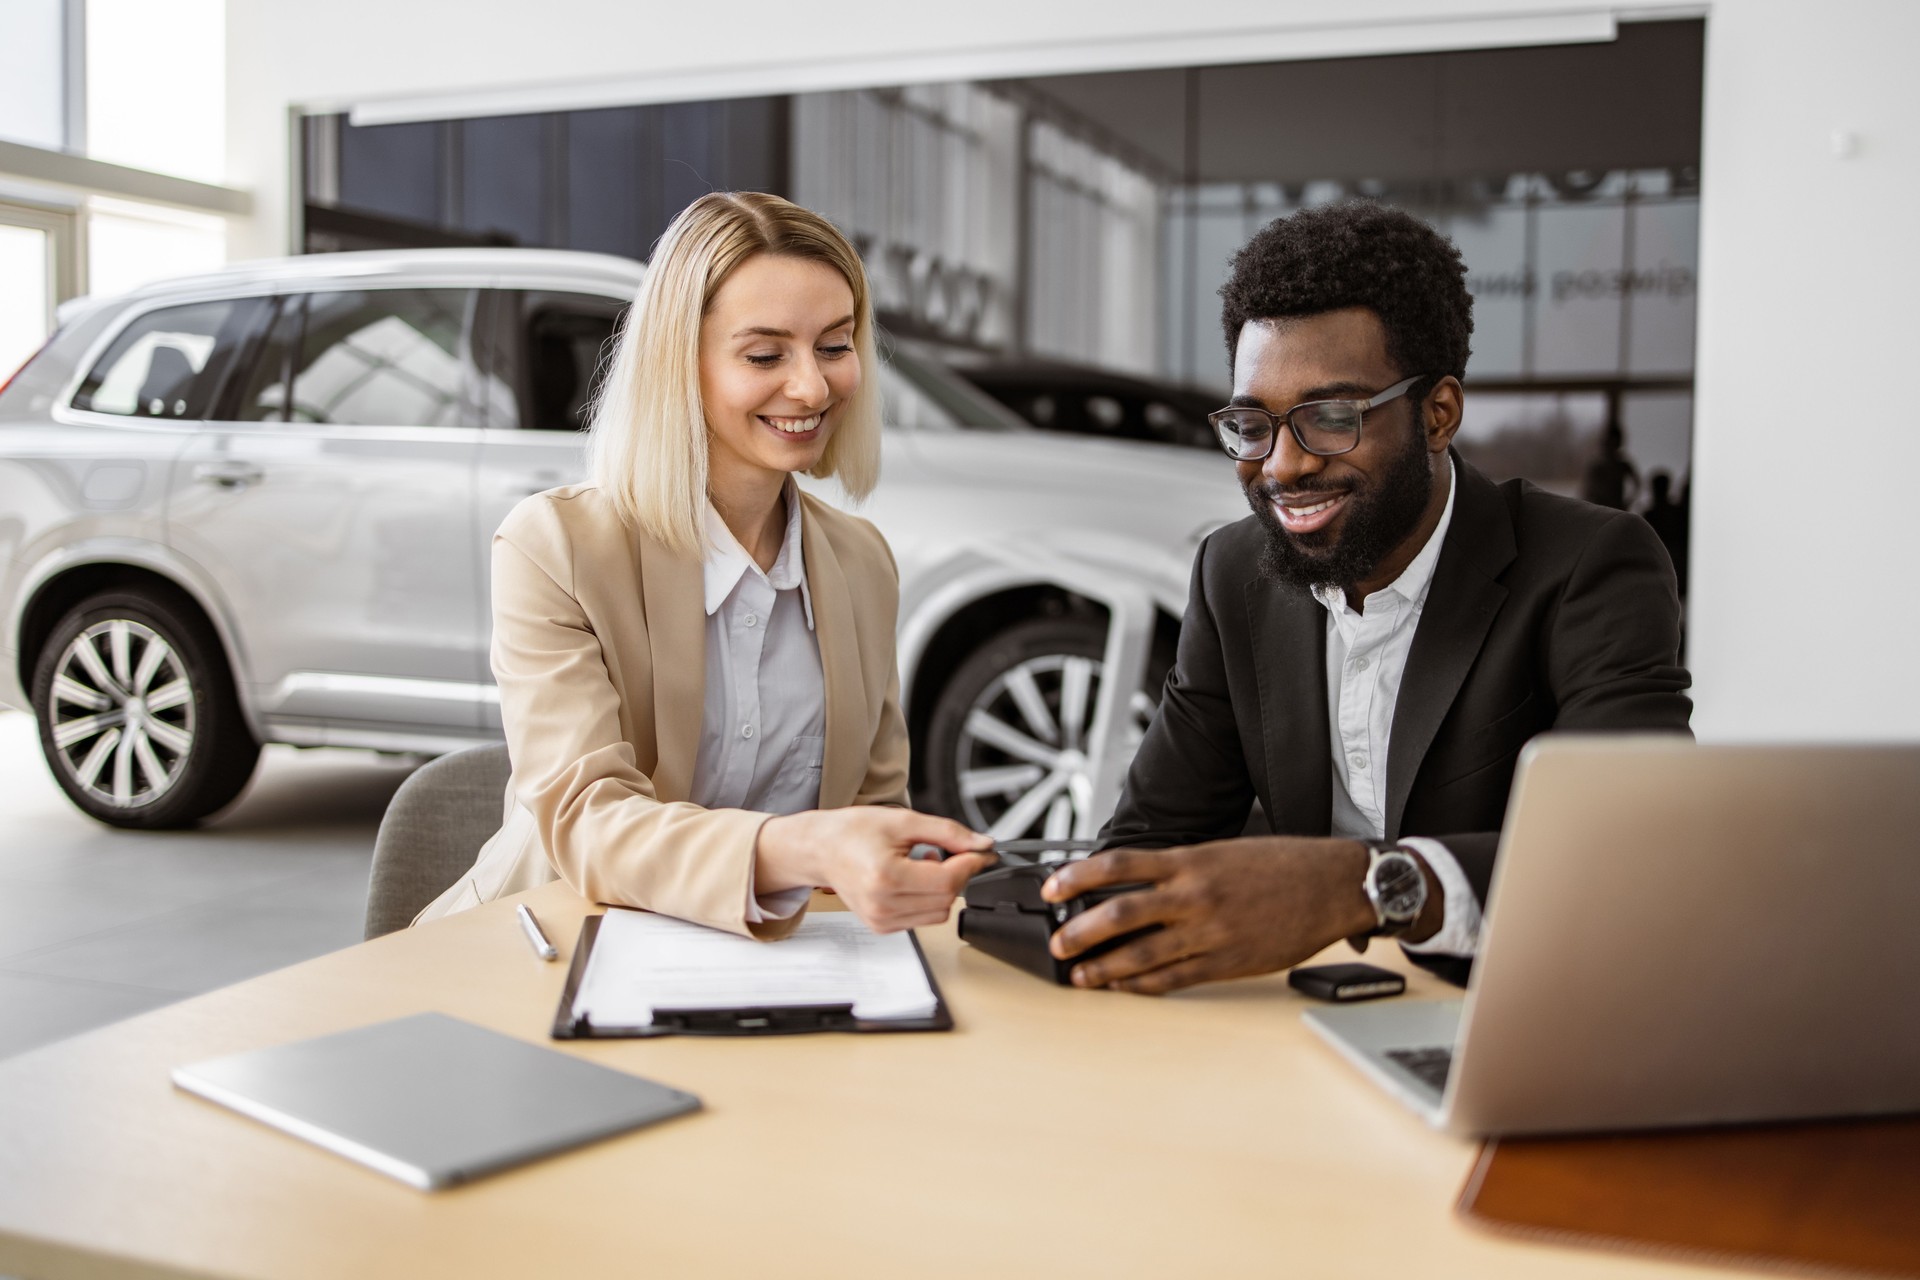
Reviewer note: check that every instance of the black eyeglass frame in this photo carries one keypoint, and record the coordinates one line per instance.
(1221, 432)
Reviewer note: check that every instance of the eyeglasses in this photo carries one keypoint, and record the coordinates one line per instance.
(1323, 427)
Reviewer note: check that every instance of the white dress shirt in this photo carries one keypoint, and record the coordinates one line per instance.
(1366, 658)
(763, 724)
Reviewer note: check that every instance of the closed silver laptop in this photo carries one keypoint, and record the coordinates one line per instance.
(432, 1100)
(1677, 935)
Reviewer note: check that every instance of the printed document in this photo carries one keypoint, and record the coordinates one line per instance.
(642, 962)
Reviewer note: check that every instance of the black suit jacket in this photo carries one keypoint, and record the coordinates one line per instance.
(1544, 613)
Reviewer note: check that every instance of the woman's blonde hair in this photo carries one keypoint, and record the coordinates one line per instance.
(648, 448)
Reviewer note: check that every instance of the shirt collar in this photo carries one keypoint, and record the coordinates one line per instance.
(1415, 580)
(727, 561)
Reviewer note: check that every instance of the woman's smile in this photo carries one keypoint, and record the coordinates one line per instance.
(795, 428)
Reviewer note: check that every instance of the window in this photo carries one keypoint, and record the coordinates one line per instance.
(569, 348)
(33, 76)
(550, 353)
(920, 395)
(262, 395)
(130, 244)
(167, 363)
(1173, 425)
(1105, 412)
(26, 293)
(156, 85)
(390, 357)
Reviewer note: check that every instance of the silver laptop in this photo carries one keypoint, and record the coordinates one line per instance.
(431, 1100)
(1677, 935)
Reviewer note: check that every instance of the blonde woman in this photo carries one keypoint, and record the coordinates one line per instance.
(696, 659)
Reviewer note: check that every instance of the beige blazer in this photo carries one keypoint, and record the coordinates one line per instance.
(599, 637)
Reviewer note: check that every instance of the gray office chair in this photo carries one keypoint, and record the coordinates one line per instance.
(433, 827)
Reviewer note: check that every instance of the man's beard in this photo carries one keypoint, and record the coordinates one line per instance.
(1379, 517)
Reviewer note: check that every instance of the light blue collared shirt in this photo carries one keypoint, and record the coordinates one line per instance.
(763, 724)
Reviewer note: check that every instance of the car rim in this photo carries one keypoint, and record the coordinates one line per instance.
(1025, 747)
(122, 713)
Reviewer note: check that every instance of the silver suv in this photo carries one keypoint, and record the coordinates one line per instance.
(254, 506)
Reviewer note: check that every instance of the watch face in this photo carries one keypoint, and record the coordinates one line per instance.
(1400, 886)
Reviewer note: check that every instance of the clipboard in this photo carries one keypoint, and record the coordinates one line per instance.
(775, 1020)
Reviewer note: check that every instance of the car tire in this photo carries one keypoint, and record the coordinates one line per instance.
(990, 759)
(138, 717)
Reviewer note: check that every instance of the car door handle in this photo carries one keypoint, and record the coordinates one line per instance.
(229, 475)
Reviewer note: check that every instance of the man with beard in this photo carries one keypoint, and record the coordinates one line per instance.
(1367, 653)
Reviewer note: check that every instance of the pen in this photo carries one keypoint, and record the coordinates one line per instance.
(535, 939)
(1044, 853)
(1017, 852)
(1030, 848)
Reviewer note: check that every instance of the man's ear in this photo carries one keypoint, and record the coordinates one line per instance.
(1441, 411)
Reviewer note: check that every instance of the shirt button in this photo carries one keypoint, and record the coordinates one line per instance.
(750, 619)
(1359, 759)
(746, 731)
(1361, 664)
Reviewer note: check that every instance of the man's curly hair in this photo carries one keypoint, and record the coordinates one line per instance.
(1359, 254)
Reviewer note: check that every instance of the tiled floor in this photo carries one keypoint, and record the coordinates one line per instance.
(98, 924)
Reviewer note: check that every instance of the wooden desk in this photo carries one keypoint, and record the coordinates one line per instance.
(1056, 1133)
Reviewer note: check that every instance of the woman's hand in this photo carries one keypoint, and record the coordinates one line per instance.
(861, 852)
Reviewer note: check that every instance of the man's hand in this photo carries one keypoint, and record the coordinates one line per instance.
(861, 852)
(1228, 909)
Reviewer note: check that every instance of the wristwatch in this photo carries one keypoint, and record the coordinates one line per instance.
(1396, 888)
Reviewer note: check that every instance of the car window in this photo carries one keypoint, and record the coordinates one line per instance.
(1106, 412)
(167, 363)
(261, 389)
(378, 357)
(550, 352)
(918, 394)
(1119, 412)
(1186, 426)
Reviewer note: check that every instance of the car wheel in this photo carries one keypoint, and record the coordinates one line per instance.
(137, 712)
(1008, 738)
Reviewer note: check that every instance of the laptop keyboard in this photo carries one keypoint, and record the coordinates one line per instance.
(1429, 1066)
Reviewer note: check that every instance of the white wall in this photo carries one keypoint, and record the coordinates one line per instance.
(1806, 554)
(1807, 439)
